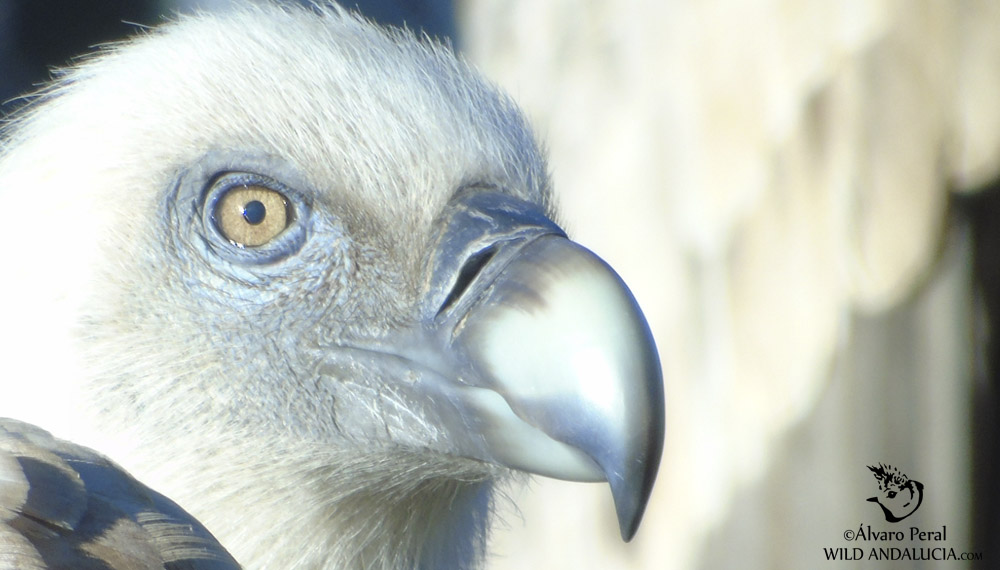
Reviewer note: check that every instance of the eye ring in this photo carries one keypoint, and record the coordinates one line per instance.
(253, 219)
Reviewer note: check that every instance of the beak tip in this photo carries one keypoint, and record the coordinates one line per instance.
(632, 492)
(628, 523)
(631, 495)
(630, 507)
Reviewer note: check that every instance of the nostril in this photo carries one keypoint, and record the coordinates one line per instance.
(470, 269)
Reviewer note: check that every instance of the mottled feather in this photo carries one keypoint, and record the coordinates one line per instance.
(64, 506)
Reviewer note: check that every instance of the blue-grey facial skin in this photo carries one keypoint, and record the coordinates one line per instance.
(293, 309)
(286, 307)
(479, 221)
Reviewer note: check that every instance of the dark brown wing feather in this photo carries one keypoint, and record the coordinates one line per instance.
(63, 506)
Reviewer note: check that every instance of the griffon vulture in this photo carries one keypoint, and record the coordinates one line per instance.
(300, 275)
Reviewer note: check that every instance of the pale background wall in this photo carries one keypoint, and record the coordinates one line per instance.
(776, 181)
(772, 178)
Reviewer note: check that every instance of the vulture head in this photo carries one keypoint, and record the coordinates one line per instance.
(300, 274)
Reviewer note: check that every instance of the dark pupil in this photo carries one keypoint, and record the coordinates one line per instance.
(254, 212)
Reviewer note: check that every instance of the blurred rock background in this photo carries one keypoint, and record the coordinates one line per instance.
(802, 197)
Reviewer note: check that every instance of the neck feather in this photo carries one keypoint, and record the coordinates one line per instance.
(375, 511)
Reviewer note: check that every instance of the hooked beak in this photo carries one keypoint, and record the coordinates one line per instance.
(560, 339)
(556, 368)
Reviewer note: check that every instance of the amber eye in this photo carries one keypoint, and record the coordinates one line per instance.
(250, 216)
